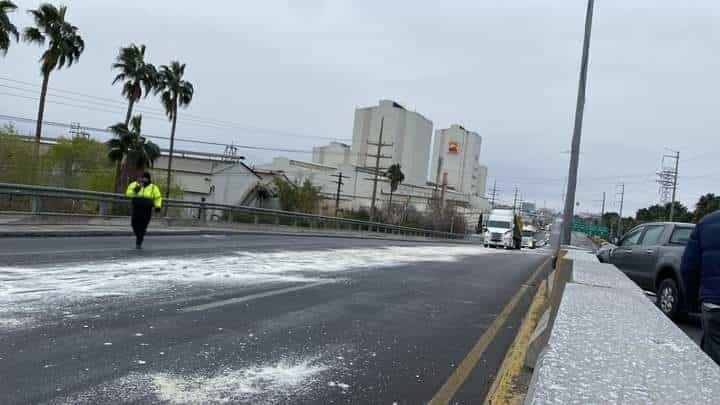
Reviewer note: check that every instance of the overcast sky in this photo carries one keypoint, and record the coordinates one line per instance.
(296, 69)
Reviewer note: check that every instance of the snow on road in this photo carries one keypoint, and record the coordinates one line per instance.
(29, 293)
(264, 383)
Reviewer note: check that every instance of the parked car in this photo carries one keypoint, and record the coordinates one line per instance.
(604, 251)
(650, 254)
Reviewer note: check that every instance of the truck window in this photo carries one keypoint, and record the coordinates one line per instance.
(680, 236)
(652, 235)
(528, 233)
(498, 224)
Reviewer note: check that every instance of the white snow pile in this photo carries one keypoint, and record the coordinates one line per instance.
(258, 384)
(25, 291)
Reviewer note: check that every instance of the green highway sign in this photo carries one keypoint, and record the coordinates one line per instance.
(590, 229)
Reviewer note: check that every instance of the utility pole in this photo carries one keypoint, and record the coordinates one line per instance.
(569, 212)
(378, 155)
(622, 201)
(515, 200)
(602, 210)
(340, 183)
(493, 195)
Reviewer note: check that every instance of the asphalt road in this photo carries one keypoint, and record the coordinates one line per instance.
(250, 319)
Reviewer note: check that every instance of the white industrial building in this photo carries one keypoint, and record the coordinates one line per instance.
(356, 191)
(411, 137)
(409, 133)
(456, 152)
(333, 154)
(216, 178)
(482, 181)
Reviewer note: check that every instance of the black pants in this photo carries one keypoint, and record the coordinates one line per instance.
(711, 333)
(141, 214)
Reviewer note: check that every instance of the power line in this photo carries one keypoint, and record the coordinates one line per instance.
(185, 117)
(186, 140)
(494, 194)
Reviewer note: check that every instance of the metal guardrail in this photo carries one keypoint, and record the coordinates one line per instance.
(38, 194)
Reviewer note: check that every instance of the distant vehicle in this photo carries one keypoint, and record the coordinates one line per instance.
(528, 237)
(604, 251)
(499, 229)
(650, 255)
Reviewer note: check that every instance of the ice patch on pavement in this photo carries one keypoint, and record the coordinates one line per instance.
(258, 384)
(28, 291)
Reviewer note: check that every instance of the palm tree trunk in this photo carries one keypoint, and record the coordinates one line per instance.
(41, 110)
(172, 147)
(38, 128)
(131, 103)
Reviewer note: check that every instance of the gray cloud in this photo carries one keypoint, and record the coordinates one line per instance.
(505, 70)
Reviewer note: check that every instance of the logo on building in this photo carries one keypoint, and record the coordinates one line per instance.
(453, 147)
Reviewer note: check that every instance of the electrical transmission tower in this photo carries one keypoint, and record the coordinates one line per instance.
(667, 179)
(230, 153)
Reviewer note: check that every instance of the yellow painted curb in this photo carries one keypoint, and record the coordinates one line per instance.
(503, 390)
(462, 372)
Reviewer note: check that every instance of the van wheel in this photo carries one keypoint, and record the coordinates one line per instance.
(668, 298)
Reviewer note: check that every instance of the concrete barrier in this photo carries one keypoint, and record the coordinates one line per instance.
(609, 344)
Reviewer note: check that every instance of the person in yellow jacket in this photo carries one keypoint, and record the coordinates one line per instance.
(145, 196)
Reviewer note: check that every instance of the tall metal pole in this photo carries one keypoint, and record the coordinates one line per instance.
(672, 204)
(377, 170)
(620, 220)
(569, 211)
(602, 211)
(340, 183)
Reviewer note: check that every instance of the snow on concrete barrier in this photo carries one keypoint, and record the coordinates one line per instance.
(609, 344)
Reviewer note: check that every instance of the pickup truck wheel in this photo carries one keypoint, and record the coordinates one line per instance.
(668, 299)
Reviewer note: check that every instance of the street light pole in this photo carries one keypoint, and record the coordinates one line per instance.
(577, 131)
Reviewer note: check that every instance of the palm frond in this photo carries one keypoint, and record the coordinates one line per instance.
(33, 35)
(136, 125)
(7, 6)
(65, 43)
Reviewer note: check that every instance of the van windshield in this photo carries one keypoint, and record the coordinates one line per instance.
(528, 233)
(498, 224)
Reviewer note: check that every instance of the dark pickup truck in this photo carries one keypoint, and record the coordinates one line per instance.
(650, 255)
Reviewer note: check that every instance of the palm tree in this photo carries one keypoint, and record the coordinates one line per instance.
(7, 29)
(176, 92)
(396, 176)
(136, 74)
(130, 150)
(64, 48)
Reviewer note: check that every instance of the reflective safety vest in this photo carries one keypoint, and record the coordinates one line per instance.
(151, 191)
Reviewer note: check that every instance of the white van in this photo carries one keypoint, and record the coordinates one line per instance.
(499, 229)
(528, 237)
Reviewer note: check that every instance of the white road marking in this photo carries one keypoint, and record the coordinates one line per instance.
(251, 297)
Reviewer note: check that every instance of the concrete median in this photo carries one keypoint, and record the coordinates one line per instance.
(605, 342)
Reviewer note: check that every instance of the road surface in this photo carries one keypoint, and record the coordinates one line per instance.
(251, 319)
